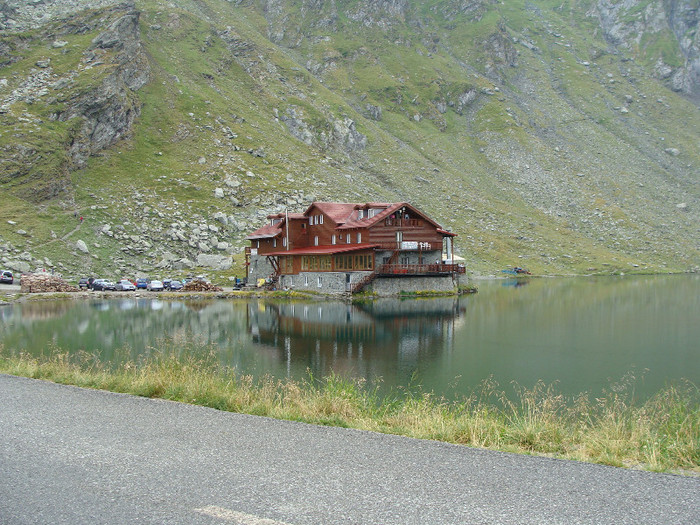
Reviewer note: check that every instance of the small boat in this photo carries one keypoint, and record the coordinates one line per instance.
(516, 270)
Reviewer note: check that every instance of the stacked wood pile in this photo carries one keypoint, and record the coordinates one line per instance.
(201, 286)
(44, 282)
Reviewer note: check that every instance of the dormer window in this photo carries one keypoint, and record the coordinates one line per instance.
(360, 214)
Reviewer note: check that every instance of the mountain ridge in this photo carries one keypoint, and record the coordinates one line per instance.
(521, 127)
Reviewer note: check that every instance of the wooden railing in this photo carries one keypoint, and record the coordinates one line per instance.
(420, 269)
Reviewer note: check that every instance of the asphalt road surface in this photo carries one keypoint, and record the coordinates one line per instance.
(74, 456)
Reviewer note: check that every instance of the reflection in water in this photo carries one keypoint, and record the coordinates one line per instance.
(384, 339)
(580, 332)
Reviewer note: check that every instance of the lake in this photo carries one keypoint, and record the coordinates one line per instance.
(582, 333)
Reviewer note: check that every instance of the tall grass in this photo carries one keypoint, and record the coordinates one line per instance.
(661, 434)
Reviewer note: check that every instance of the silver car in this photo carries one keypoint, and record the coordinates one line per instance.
(125, 286)
(155, 286)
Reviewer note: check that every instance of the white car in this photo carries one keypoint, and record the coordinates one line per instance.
(154, 286)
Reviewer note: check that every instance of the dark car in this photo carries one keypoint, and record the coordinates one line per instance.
(102, 285)
(84, 282)
(141, 283)
(6, 277)
(175, 285)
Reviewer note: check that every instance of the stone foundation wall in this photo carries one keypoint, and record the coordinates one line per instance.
(336, 283)
(259, 268)
(322, 282)
(396, 285)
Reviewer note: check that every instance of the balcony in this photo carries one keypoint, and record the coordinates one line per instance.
(396, 270)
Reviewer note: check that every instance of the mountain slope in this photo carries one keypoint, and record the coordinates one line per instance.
(559, 136)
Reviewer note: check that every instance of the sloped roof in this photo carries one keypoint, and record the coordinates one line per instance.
(392, 208)
(345, 215)
(338, 212)
(266, 232)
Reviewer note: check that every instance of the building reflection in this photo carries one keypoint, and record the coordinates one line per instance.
(372, 340)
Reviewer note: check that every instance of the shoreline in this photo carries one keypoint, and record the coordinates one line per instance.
(661, 434)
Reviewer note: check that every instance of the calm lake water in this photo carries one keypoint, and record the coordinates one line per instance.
(582, 333)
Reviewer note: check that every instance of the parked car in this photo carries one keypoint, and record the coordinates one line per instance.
(6, 277)
(175, 285)
(155, 286)
(84, 282)
(125, 286)
(141, 283)
(166, 283)
(103, 285)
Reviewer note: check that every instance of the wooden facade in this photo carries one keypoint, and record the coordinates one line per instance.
(346, 237)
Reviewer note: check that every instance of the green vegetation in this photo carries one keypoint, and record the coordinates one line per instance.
(662, 434)
(503, 121)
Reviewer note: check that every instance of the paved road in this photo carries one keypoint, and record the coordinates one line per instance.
(69, 455)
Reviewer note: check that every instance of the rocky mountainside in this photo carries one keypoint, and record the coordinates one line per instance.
(561, 136)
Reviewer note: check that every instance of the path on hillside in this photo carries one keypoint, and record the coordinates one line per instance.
(69, 455)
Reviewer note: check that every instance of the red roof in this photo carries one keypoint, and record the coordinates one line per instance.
(338, 212)
(324, 250)
(371, 221)
(266, 232)
(345, 215)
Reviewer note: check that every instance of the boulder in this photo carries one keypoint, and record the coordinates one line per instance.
(216, 262)
(80, 245)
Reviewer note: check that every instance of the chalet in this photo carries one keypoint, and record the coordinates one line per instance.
(343, 247)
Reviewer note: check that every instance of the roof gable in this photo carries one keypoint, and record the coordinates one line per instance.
(368, 222)
(338, 212)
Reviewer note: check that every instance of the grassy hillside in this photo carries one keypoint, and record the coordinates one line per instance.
(516, 125)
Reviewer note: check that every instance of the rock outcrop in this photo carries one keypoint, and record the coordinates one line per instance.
(670, 25)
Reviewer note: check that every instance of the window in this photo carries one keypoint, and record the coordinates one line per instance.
(316, 240)
(274, 243)
(360, 214)
(320, 219)
(315, 263)
(319, 281)
(359, 237)
(306, 280)
(347, 238)
(333, 239)
(284, 241)
(311, 221)
(258, 244)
